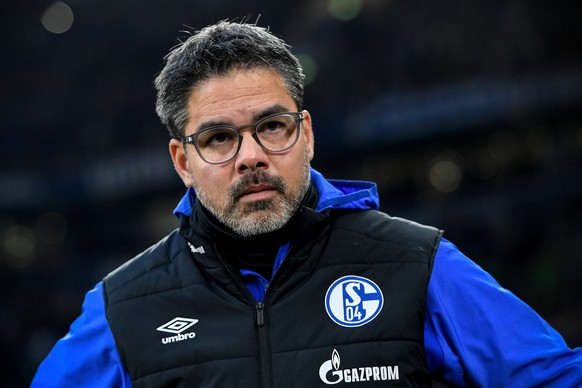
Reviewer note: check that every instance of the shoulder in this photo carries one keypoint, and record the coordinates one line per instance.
(146, 264)
(380, 226)
(377, 220)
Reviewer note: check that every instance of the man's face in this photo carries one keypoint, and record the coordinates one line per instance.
(257, 191)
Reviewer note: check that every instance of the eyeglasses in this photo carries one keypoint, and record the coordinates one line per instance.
(274, 133)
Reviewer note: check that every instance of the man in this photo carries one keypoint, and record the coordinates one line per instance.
(278, 277)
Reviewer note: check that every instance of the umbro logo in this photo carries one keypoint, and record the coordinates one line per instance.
(177, 326)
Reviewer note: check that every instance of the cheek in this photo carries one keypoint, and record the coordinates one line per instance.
(292, 170)
(210, 180)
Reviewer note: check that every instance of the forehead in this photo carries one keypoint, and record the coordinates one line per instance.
(238, 95)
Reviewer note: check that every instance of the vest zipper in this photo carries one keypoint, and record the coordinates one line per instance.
(264, 353)
(265, 367)
(260, 314)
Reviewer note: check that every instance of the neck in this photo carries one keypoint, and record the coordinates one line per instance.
(255, 253)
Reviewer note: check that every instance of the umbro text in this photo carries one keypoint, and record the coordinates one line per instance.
(178, 337)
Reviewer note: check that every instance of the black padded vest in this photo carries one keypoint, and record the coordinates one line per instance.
(347, 307)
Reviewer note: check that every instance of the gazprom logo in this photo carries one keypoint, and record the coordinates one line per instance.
(353, 301)
(331, 374)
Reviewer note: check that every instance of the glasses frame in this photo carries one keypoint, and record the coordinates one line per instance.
(193, 139)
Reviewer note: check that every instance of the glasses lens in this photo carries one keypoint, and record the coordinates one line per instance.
(278, 133)
(217, 144)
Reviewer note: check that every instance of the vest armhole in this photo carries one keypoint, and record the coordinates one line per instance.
(435, 245)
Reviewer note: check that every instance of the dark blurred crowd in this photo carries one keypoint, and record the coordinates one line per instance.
(467, 114)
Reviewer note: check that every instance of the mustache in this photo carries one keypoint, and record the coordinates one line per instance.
(256, 178)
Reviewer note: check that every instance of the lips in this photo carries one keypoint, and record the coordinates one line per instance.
(258, 188)
(257, 192)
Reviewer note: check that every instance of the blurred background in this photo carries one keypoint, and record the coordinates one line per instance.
(468, 115)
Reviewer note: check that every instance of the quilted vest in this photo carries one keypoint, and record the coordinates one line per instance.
(346, 308)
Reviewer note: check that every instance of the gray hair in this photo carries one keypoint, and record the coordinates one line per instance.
(215, 51)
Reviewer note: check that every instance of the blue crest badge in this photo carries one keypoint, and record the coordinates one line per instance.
(353, 301)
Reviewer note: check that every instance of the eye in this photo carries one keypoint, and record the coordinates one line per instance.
(272, 126)
(215, 138)
(275, 125)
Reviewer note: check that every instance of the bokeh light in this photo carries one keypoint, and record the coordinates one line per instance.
(345, 10)
(57, 18)
(445, 172)
(18, 243)
(445, 176)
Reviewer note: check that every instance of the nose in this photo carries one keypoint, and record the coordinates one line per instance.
(251, 156)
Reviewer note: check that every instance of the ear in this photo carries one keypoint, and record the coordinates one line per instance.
(308, 133)
(180, 159)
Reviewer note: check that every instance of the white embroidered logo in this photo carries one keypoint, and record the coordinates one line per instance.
(330, 372)
(177, 326)
(194, 249)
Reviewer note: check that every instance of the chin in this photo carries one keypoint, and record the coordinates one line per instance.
(260, 222)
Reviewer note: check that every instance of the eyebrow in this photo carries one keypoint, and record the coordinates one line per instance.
(274, 109)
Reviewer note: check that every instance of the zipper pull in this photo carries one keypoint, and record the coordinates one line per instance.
(260, 314)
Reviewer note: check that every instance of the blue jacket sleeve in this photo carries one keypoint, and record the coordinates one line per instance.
(479, 334)
(87, 355)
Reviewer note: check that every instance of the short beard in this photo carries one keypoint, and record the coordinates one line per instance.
(263, 216)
